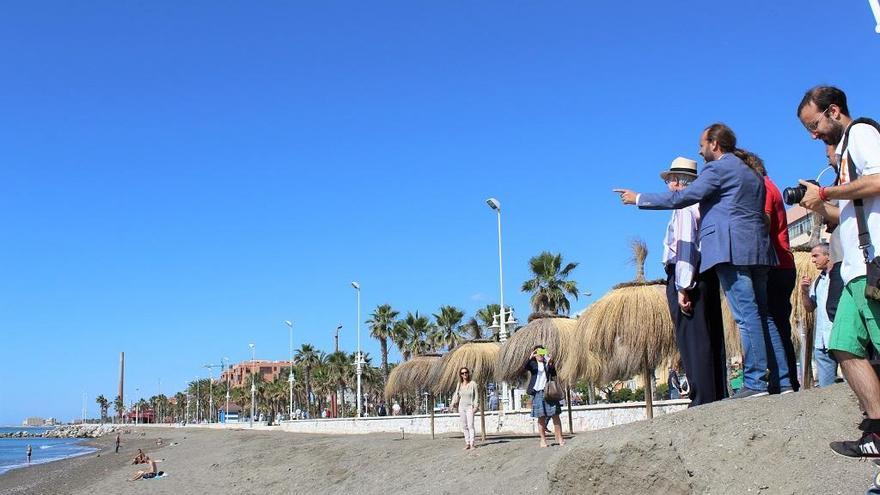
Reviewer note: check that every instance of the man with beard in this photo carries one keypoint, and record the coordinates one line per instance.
(824, 112)
(734, 243)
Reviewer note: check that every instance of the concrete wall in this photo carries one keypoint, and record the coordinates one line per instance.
(585, 418)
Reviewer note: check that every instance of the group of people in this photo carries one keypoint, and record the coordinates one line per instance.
(728, 232)
(545, 407)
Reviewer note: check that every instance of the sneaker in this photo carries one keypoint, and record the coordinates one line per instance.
(747, 392)
(866, 447)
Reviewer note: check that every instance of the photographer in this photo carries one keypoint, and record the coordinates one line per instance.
(824, 113)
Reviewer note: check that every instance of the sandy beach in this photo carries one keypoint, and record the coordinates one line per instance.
(767, 445)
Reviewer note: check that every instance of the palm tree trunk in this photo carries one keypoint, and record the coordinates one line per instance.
(384, 344)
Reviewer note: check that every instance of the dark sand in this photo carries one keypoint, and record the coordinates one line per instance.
(766, 445)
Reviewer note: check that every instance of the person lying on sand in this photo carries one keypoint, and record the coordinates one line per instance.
(147, 473)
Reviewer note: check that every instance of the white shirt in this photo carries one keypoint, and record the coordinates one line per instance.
(680, 245)
(864, 147)
(541, 379)
(819, 296)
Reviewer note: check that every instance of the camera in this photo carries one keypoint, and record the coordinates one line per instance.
(794, 195)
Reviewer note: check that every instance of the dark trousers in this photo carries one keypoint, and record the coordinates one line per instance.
(780, 285)
(700, 337)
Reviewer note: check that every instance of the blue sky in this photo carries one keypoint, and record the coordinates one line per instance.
(178, 178)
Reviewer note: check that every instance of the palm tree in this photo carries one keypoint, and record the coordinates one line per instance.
(104, 404)
(472, 329)
(550, 284)
(448, 327)
(119, 406)
(308, 357)
(339, 368)
(381, 326)
(180, 405)
(410, 335)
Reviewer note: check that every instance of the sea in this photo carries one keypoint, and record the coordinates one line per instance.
(13, 451)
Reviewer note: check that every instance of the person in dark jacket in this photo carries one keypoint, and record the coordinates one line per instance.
(540, 366)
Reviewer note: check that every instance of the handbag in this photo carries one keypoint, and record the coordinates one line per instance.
(552, 391)
(872, 266)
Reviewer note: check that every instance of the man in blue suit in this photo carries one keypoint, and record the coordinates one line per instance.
(734, 241)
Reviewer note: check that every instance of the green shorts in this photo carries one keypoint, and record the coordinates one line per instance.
(856, 321)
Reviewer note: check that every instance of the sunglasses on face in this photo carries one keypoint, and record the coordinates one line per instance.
(464, 373)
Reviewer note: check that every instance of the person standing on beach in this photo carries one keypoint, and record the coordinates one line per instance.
(117, 442)
(825, 115)
(29, 452)
(465, 398)
(540, 366)
(734, 242)
(693, 297)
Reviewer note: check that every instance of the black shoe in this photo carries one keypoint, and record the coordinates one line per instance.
(866, 447)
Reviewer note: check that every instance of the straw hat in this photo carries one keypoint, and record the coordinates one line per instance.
(681, 166)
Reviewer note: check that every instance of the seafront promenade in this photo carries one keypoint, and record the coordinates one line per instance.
(584, 418)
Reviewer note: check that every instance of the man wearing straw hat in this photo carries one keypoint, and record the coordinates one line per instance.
(734, 242)
(693, 298)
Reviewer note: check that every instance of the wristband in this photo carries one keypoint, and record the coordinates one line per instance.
(823, 195)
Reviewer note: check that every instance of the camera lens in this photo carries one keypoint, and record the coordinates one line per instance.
(793, 195)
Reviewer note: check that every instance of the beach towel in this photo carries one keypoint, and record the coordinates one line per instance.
(160, 474)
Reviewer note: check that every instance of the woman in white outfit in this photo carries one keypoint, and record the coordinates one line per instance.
(465, 398)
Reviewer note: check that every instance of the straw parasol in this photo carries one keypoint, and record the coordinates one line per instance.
(411, 377)
(480, 357)
(550, 330)
(630, 328)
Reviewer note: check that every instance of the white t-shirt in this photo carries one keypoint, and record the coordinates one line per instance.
(864, 146)
(541, 379)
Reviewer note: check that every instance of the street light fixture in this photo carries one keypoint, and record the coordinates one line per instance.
(226, 411)
(253, 383)
(290, 378)
(338, 328)
(502, 332)
(358, 358)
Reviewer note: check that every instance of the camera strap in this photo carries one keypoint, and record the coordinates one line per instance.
(859, 204)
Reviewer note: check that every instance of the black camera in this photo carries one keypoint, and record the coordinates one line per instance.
(794, 195)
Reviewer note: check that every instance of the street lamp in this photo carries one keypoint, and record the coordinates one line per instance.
(502, 333)
(137, 406)
(359, 361)
(253, 383)
(290, 378)
(211, 390)
(226, 412)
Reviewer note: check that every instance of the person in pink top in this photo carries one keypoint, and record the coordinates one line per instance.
(782, 279)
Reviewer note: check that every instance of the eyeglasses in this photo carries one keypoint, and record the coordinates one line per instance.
(681, 180)
(464, 373)
(812, 126)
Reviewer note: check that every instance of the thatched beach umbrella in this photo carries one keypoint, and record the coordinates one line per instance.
(480, 357)
(550, 330)
(413, 376)
(630, 328)
(800, 318)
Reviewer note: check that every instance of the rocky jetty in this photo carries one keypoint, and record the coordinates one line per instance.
(80, 431)
(65, 431)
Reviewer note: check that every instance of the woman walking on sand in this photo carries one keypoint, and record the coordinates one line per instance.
(465, 398)
(540, 366)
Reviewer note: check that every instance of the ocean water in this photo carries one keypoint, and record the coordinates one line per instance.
(13, 450)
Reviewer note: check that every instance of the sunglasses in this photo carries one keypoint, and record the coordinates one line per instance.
(464, 373)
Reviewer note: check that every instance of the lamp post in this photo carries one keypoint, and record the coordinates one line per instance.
(338, 328)
(359, 361)
(253, 383)
(137, 406)
(226, 411)
(158, 400)
(211, 391)
(290, 377)
(502, 333)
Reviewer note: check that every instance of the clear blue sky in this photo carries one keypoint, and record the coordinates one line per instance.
(177, 178)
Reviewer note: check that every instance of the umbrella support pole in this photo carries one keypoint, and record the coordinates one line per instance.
(431, 398)
(807, 367)
(568, 403)
(649, 393)
(482, 415)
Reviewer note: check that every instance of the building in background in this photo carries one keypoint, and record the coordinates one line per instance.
(800, 227)
(237, 374)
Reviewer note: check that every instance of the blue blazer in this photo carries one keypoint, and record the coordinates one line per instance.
(732, 227)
